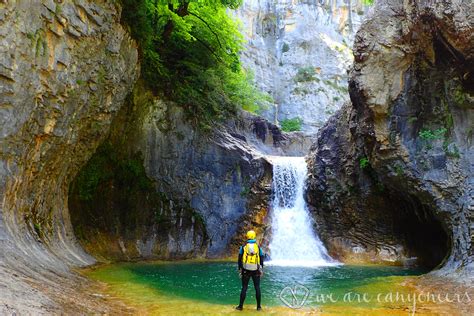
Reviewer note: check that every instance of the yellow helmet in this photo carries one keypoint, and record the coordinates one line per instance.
(251, 234)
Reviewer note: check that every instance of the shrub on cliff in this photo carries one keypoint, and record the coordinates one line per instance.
(291, 125)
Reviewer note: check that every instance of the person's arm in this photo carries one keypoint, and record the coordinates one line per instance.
(239, 260)
(262, 258)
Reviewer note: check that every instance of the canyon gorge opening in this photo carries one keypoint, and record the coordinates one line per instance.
(124, 138)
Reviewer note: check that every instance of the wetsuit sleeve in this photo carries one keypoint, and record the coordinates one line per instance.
(262, 256)
(239, 260)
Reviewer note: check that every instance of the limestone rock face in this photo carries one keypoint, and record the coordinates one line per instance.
(65, 69)
(207, 187)
(299, 52)
(391, 173)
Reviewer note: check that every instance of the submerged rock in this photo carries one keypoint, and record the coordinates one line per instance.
(391, 173)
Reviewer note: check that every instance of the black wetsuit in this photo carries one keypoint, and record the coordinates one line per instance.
(246, 275)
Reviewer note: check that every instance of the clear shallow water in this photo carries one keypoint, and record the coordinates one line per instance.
(218, 282)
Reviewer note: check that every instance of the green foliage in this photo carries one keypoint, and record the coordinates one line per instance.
(136, 15)
(251, 100)
(449, 120)
(336, 86)
(40, 44)
(102, 74)
(368, 2)
(245, 191)
(399, 170)
(305, 74)
(38, 229)
(190, 53)
(291, 125)
(460, 97)
(285, 48)
(451, 150)
(364, 162)
(428, 135)
(301, 90)
(39, 224)
(340, 49)
(58, 10)
(329, 111)
(107, 164)
(412, 119)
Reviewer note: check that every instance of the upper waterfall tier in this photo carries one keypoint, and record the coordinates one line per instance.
(294, 241)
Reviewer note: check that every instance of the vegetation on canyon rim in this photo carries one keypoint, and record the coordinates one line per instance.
(291, 125)
(190, 54)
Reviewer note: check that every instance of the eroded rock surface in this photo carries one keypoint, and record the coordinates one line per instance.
(392, 173)
(65, 69)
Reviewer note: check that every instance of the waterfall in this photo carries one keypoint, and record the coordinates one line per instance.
(293, 242)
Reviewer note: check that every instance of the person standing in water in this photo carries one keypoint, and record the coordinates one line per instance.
(250, 266)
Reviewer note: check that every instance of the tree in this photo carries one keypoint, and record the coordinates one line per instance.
(190, 54)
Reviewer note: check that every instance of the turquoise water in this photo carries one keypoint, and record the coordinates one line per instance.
(218, 282)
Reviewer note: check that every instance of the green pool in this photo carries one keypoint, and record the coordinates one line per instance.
(217, 283)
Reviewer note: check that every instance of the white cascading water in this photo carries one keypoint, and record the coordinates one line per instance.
(293, 242)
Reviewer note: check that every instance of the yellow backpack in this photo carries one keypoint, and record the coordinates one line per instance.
(251, 257)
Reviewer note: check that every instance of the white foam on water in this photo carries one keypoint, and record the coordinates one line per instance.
(294, 241)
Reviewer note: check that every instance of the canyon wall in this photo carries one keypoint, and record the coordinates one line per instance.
(392, 173)
(299, 52)
(65, 69)
(163, 188)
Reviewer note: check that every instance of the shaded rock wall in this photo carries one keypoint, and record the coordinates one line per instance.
(394, 168)
(65, 69)
(118, 215)
(204, 186)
